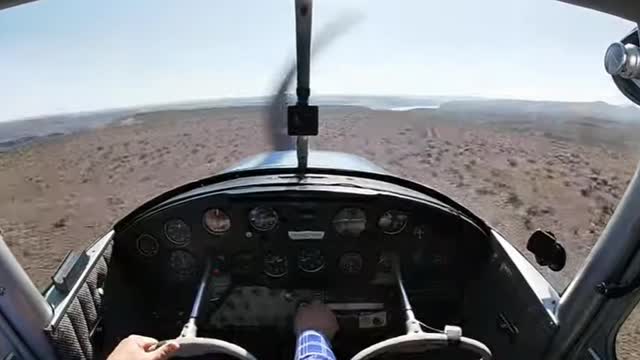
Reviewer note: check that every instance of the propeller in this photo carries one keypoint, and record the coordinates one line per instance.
(277, 110)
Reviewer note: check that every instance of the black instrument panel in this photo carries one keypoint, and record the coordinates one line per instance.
(311, 239)
(277, 241)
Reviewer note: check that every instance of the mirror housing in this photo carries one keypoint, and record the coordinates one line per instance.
(547, 250)
(622, 62)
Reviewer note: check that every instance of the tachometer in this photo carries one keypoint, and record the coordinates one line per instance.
(350, 263)
(263, 218)
(311, 260)
(178, 232)
(216, 221)
(275, 266)
(182, 265)
(393, 222)
(350, 222)
(147, 245)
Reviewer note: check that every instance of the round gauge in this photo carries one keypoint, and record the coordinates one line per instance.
(216, 221)
(263, 218)
(178, 232)
(310, 260)
(350, 222)
(147, 245)
(350, 263)
(182, 265)
(275, 266)
(393, 222)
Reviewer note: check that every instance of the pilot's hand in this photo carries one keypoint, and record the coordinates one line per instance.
(316, 316)
(138, 348)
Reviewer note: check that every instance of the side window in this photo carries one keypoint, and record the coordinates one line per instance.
(628, 338)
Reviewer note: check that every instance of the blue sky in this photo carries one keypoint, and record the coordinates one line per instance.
(72, 55)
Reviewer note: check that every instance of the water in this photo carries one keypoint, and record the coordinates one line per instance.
(416, 107)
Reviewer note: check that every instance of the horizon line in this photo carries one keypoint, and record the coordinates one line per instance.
(196, 100)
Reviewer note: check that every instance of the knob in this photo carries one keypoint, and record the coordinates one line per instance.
(623, 60)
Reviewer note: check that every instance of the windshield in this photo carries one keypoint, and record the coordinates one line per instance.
(502, 105)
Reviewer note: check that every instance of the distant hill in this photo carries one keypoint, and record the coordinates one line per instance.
(22, 132)
(531, 110)
(588, 122)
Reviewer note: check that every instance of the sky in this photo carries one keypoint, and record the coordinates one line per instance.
(60, 56)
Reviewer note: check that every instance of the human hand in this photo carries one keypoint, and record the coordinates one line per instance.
(316, 316)
(137, 347)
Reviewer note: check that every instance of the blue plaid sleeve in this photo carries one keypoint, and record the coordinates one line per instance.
(312, 345)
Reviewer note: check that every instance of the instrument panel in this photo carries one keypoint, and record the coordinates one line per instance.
(311, 240)
(274, 246)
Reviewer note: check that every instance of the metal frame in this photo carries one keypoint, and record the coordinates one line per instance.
(10, 343)
(26, 314)
(22, 305)
(627, 9)
(304, 12)
(614, 258)
(60, 301)
(5, 4)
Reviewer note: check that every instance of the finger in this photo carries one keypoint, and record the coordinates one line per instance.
(164, 352)
(143, 341)
(150, 346)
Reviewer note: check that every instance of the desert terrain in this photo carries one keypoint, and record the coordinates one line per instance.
(63, 192)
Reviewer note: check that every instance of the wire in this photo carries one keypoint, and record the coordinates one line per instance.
(429, 327)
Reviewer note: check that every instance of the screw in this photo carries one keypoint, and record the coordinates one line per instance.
(288, 296)
(2, 291)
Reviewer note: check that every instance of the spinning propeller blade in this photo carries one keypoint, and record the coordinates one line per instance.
(277, 110)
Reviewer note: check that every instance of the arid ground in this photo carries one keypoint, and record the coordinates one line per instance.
(62, 193)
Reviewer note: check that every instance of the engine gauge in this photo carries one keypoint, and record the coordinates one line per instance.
(182, 265)
(263, 218)
(216, 221)
(350, 263)
(310, 260)
(393, 222)
(350, 222)
(178, 232)
(147, 245)
(275, 266)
